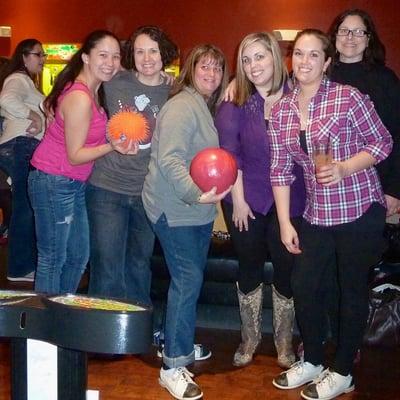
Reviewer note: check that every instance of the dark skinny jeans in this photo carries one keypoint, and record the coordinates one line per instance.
(358, 246)
(252, 249)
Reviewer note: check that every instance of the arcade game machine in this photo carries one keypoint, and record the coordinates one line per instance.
(57, 56)
(173, 68)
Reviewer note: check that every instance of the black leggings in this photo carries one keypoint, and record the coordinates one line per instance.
(356, 247)
(252, 249)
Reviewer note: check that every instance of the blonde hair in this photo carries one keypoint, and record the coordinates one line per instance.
(186, 77)
(244, 88)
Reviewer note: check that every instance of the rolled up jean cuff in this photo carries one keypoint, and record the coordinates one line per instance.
(181, 361)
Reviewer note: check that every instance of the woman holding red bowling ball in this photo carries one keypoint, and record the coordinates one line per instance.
(250, 214)
(180, 213)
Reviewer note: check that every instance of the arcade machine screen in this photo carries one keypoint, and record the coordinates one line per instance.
(57, 56)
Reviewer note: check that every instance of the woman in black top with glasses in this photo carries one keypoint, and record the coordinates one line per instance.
(360, 62)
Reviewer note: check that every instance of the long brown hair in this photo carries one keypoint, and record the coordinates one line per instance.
(244, 88)
(68, 75)
(17, 63)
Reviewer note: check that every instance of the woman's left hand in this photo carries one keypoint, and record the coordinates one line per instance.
(126, 147)
(330, 174)
(35, 126)
(212, 197)
(33, 129)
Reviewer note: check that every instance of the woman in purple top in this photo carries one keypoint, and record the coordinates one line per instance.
(250, 212)
(345, 208)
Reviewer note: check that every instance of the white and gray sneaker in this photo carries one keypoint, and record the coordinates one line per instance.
(179, 382)
(297, 375)
(327, 386)
(201, 353)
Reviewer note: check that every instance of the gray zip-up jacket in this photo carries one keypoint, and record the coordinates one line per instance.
(184, 127)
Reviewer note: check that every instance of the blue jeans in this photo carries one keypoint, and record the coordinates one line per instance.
(121, 245)
(62, 231)
(15, 156)
(185, 250)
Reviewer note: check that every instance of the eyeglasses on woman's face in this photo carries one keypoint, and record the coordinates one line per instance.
(38, 54)
(353, 32)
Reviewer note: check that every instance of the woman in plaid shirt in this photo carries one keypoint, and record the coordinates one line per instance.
(345, 208)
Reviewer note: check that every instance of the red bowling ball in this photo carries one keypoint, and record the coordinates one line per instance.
(213, 167)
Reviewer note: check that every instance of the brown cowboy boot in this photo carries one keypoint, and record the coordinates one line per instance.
(250, 305)
(283, 321)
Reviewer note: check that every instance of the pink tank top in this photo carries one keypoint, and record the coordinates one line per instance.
(51, 154)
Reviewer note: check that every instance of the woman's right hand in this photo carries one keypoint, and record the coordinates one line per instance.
(240, 215)
(230, 91)
(168, 78)
(290, 238)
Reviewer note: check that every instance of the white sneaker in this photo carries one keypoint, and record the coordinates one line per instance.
(327, 386)
(297, 375)
(179, 382)
(30, 277)
(201, 353)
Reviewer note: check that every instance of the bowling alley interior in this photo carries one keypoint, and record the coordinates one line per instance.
(113, 355)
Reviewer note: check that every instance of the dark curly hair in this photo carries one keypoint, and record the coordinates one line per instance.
(375, 53)
(168, 49)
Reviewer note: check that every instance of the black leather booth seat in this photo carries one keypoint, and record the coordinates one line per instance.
(218, 302)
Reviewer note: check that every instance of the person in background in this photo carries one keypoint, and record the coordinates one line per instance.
(250, 214)
(4, 62)
(359, 61)
(180, 213)
(121, 237)
(344, 214)
(64, 159)
(23, 127)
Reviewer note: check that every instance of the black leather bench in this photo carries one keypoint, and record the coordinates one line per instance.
(218, 304)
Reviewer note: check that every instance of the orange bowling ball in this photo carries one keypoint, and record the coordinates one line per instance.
(213, 167)
(128, 124)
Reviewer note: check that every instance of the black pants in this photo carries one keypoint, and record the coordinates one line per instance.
(252, 248)
(357, 246)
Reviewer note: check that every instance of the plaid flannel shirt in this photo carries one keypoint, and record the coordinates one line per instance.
(345, 117)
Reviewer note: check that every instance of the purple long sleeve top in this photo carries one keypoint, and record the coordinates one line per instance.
(243, 132)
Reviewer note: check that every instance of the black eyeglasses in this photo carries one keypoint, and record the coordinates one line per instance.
(354, 32)
(41, 55)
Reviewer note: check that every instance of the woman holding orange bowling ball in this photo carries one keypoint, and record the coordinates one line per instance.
(250, 214)
(180, 213)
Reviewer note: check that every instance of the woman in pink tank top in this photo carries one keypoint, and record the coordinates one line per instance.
(63, 161)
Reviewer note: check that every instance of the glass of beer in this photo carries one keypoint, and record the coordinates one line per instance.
(322, 154)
